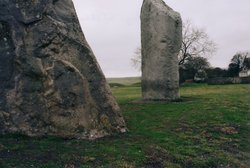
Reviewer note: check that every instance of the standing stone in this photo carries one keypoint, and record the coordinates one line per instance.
(161, 38)
(50, 81)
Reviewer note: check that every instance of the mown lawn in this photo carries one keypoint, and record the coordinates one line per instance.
(209, 127)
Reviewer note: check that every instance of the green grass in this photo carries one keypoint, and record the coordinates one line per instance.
(209, 127)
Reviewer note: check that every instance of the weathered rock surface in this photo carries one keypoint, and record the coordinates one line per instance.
(50, 81)
(161, 38)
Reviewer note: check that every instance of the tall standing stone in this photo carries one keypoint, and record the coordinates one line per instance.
(161, 38)
(50, 81)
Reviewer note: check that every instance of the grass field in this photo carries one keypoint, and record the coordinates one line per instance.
(209, 128)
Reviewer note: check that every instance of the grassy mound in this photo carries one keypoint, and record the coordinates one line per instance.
(116, 85)
(124, 81)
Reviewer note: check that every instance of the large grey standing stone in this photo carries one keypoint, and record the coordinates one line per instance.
(161, 38)
(50, 81)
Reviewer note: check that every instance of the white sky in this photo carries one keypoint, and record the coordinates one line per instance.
(112, 28)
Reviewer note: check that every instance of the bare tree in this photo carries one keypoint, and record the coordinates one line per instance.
(239, 58)
(195, 43)
(194, 66)
(237, 63)
(136, 59)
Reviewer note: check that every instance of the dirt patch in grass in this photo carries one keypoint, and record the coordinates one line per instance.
(2, 147)
(122, 164)
(157, 157)
(229, 130)
(207, 130)
(183, 127)
(77, 160)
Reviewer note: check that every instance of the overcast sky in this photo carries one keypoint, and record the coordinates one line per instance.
(112, 28)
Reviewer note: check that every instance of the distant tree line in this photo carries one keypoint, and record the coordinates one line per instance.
(198, 68)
